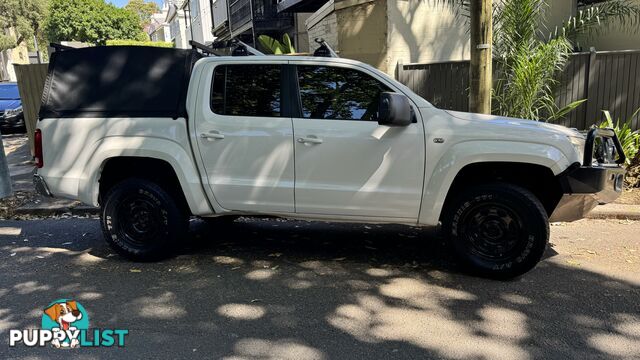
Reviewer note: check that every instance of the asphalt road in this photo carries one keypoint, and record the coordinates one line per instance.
(269, 289)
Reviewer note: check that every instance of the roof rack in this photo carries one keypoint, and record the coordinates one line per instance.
(239, 48)
(324, 50)
(249, 49)
(206, 50)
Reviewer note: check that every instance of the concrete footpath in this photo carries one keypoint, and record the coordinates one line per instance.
(616, 211)
(21, 168)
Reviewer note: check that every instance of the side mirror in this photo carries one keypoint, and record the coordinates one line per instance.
(394, 110)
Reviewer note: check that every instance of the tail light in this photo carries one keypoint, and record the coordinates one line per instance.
(38, 148)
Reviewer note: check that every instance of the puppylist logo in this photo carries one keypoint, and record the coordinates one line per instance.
(65, 325)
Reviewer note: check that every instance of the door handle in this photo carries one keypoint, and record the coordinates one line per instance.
(311, 139)
(212, 135)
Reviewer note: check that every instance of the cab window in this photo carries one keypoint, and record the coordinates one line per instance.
(338, 93)
(246, 90)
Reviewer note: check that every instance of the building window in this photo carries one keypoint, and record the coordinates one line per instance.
(194, 9)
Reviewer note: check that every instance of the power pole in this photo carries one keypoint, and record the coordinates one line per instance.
(480, 70)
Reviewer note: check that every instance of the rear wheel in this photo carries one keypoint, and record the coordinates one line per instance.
(497, 230)
(141, 221)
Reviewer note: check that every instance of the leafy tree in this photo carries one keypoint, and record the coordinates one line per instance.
(91, 21)
(26, 17)
(143, 9)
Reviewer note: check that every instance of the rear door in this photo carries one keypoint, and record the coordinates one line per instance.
(245, 138)
(345, 163)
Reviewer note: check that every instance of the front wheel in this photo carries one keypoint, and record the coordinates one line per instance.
(141, 221)
(497, 230)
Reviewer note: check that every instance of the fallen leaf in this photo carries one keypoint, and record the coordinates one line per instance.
(135, 270)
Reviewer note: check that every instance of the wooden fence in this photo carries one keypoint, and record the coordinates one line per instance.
(609, 80)
(31, 80)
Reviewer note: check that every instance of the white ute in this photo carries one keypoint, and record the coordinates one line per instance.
(153, 136)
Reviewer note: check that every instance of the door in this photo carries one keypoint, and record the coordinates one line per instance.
(246, 141)
(345, 163)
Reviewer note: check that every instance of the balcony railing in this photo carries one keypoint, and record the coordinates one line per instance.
(265, 15)
(239, 13)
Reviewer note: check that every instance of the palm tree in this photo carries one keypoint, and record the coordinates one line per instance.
(529, 56)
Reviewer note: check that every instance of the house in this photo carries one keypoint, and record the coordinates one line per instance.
(179, 32)
(199, 20)
(247, 19)
(385, 33)
(158, 28)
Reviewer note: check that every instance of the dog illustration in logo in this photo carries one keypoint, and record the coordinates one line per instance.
(65, 314)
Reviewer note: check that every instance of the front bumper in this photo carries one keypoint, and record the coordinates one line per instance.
(584, 187)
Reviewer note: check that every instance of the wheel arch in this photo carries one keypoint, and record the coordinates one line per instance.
(488, 161)
(149, 158)
(538, 179)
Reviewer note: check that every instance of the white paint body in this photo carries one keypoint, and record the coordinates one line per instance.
(361, 171)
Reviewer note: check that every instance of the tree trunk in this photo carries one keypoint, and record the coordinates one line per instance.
(480, 70)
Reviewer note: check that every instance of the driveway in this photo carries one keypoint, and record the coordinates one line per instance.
(274, 289)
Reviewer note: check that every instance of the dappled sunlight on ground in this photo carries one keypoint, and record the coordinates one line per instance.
(163, 306)
(424, 319)
(256, 290)
(241, 311)
(268, 349)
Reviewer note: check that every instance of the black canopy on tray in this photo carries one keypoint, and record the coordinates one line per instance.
(118, 81)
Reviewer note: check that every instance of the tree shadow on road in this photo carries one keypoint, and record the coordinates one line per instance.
(266, 289)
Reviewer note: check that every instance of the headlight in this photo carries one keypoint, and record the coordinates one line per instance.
(13, 112)
(578, 143)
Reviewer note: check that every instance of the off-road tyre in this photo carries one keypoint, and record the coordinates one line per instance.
(496, 230)
(141, 221)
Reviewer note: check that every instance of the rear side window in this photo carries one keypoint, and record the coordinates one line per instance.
(338, 93)
(246, 90)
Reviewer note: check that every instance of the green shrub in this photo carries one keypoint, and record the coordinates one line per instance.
(276, 47)
(139, 43)
(629, 139)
